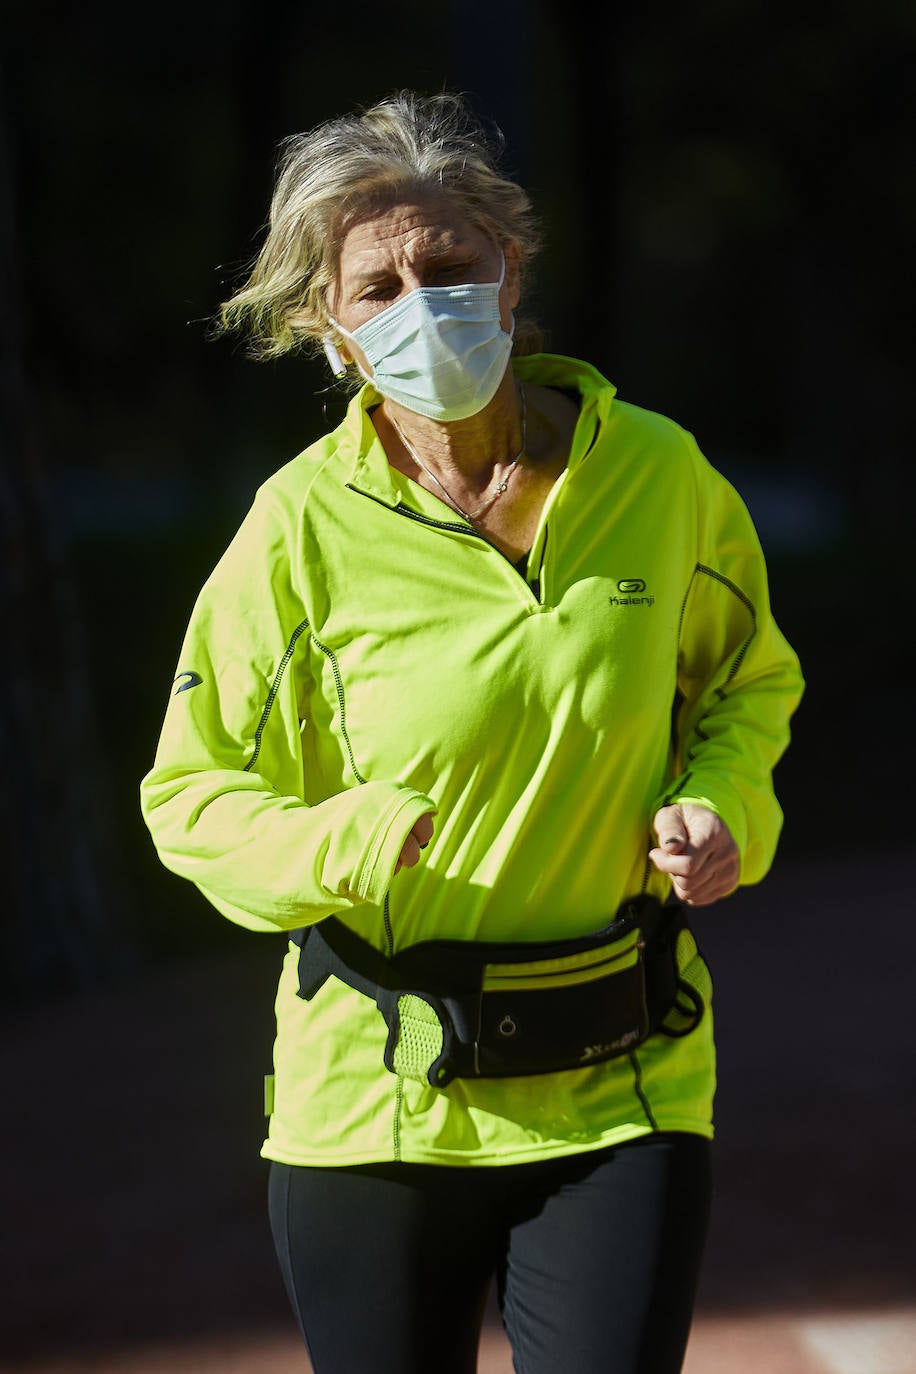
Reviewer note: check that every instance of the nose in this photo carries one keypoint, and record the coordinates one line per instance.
(412, 279)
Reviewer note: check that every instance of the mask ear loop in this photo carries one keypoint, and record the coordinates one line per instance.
(335, 361)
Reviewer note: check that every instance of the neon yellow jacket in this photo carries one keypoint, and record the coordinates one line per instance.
(360, 656)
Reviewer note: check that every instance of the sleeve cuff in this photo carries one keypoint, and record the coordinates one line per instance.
(373, 877)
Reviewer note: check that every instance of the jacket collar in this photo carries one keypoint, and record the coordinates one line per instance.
(371, 473)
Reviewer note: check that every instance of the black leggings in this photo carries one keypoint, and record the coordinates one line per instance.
(596, 1258)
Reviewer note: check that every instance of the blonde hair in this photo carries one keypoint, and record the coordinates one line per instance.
(330, 177)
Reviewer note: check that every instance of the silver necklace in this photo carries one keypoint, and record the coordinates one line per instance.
(471, 515)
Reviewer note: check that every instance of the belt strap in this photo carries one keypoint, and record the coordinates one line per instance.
(451, 967)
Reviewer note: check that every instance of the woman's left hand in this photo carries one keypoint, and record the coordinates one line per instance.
(696, 847)
(418, 839)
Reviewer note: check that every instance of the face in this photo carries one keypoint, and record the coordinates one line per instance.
(426, 242)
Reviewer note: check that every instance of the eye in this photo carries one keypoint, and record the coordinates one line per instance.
(379, 291)
(454, 271)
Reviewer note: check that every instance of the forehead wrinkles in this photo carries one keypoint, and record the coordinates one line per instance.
(402, 235)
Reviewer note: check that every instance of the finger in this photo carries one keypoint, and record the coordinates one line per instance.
(410, 853)
(686, 865)
(670, 828)
(423, 830)
(706, 829)
(710, 897)
(665, 862)
(707, 887)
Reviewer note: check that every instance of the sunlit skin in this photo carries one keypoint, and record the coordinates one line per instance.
(426, 242)
(382, 259)
(697, 849)
(429, 242)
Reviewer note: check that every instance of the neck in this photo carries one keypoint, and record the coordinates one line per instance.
(467, 451)
(472, 502)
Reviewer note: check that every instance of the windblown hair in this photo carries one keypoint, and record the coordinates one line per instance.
(362, 163)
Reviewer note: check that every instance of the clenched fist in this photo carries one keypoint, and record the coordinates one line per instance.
(696, 847)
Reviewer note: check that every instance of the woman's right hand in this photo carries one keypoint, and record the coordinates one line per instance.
(418, 839)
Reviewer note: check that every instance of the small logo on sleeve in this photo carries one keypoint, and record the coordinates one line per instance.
(631, 589)
(187, 681)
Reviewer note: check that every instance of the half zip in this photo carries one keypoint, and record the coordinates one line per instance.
(452, 527)
(411, 514)
(401, 509)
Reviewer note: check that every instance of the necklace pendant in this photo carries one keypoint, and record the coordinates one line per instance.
(503, 485)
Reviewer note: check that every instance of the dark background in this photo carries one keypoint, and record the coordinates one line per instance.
(729, 200)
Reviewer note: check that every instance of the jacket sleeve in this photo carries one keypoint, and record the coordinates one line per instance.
(739, 681)
(224, 799)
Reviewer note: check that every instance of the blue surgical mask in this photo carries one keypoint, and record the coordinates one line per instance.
(439, 351)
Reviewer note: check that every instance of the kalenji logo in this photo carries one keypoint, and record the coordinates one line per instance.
(630, 587)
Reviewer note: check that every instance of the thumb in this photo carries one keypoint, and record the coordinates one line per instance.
(671, 830)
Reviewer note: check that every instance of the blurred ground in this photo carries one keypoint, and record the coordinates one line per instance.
(135, 1235)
